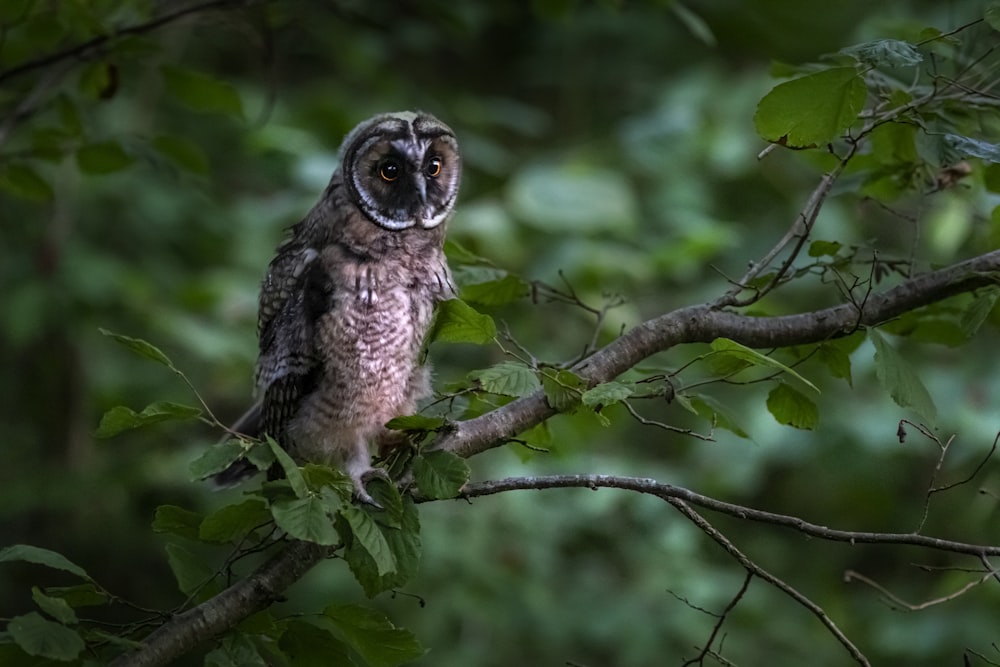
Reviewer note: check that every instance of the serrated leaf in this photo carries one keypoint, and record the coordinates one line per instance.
(183, 152)
(81, 595)
(899, 379)
(710, 409)
(174, 520)
(24, 182)
(813, 109)
(731, 348)
(791, 407)
(404, 544)
(305, 519)
(368, 535)
(308, 645)
(837, 360)
(105, 157)
(292, 472)
(495, 292)
(319, 477)
(969, 147)
(440, 474)
(415, 423)
(190, 570)
(824, 248)
(509, 378)
(977, 312)
(39, 556)
(121, 418)
(201, 92)
(55, 607)
(42, 638)
(140, 347)
(992, 15)
(232, 523)
(457, 322)
(606, 393)
(216, 459)
(562, 388)
(373, 636)
(886, 53)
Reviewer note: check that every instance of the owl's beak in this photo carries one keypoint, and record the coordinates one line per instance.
(421, 190)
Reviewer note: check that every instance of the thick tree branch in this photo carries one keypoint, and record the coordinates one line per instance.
(704, 323)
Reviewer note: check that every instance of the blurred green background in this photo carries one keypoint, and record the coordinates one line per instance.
(610, 141)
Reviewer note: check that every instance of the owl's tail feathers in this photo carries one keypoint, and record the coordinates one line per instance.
(248, 424)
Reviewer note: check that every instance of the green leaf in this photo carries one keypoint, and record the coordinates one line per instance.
(440, 474)
(404, 543)
(837, 360)
(981, 307)
(216, 459)
(900, 380)
(791, 407)
(319, 476)
(120, 418)
(495, 292)
(305, 519)
(457, 322)
(81, 595)
(292, 471)
(730, 348)
(24, 182)
(991, 177)
(200, 92)
(307, 645)
(141, 347)
(813, 109)
(824, 248)
(992, 16)
(55, 607)
(369, 536)
(373, 636)
(174, 520)
(43, 638)
(190, 570)
(970, 147)
(562, 388)
(711, 410)
(235, 650)
(886, 53)
(102, 158)
(232, 523)
(606, 393)
(183, 152)
(415, 423)
(509, 378)
(39, 556)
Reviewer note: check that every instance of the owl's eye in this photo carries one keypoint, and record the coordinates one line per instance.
(389, 170)
(434, 167)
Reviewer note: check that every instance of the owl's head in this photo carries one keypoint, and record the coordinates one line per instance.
(402, 169)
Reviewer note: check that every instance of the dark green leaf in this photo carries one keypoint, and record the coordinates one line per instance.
(440, 474)
(368, 535)
(102, 158)
(508, 378)
(234, 522)
(496, 292)
(992, 15)
(292, 471)
(981, 307)
(791, 407)
(235, 650)
(43, 638)
(710, 409)
(23, 181)
(837, 360)
(305, 519)
(174, 520)
(55, 607)
(899, 378)
(39, 556)
(120, 418)
(190, 570)
(886, 53)
(373, 636)
(81, 595)
(813, 109)
(319, 476)
(824, 248)
(991, 177)
(99, 80)
(730, 348)
(307, 645)
(415, 423)
(183, 152)
(457, 322)
(562, 388)
(201, 92)
(606, 393)
(216, 459)
(404, 544)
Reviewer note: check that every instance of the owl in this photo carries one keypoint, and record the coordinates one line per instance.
(349, 296)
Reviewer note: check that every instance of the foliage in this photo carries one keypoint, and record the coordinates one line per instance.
(147, 160)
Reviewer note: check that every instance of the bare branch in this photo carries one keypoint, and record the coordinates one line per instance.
(899, 603)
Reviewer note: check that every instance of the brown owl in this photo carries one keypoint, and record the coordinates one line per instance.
(349, 297)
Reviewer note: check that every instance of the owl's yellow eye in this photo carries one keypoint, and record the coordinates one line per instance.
(389, 170)
(434, 167)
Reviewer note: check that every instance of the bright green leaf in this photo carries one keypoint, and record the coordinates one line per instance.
(102, 158)
(373, 636)
(978, 311)
(201, 92)
(55, 607)
(562, 388)
(813, 109)
(457, 322)
(404, 543)
(730, 348)
(232, 523)
(23, 181)
(39, 556)
(791, 407)
(606, 393)
(40, 637)
(120, 418)
(141, 347)
(440, 474)
(174, 520)
(305, 519)
(508, 378)
(824, 248)
(899, 378)
(292, 471)
(216, 459)
(183, 152)
(369, 536)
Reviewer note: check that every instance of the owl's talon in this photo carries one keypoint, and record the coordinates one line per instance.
(361, 480)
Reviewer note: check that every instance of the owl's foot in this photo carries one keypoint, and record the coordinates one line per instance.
(361, 478)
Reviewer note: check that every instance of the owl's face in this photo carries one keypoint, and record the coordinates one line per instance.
(402, 169)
